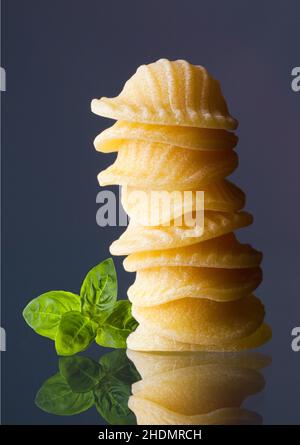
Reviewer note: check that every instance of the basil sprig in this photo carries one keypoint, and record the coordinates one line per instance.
(75, 321)
(82, 383)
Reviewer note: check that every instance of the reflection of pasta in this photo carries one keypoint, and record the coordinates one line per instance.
(195, 388)
(193, 289)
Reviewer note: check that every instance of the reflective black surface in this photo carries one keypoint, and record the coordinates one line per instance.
(130, 387)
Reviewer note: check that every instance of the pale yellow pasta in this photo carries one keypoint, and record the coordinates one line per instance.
(169, 93)
(202, 321)
(137, 238)
(175, 149)
(158, 285)
(147, 339)
(221, 252)
(143, 165)
(193, 138)
(148, 207)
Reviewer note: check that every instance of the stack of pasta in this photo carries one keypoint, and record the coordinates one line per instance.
(194, 284)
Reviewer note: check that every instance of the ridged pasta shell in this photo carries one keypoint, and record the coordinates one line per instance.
(166, 167)
(148, 207)
(169, 93)
(150, 413)
(146, 339)
(138, 238)
(159, 285)
(223, 252)
(202, 321)
(186, 137)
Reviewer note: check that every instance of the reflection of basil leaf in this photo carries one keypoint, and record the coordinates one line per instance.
(99, 291)
(117, 326)
(75, 333)
(56, 397)
(82, 382)
(43, 314)
(112, 393)
(111, 399)
(81, 373)
(116, 363)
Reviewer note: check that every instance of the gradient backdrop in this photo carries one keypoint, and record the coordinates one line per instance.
(58, 55)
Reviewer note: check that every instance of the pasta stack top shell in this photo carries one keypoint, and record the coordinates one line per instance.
(169, 93)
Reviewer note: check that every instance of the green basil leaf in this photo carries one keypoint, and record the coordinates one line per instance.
(56, 397)
(117, 364)
(111, 400)
(117, 326)
(75, 333)
(43, 314)
(99, 291)
(81, 373)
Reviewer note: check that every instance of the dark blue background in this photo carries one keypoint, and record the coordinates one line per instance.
(58, 55)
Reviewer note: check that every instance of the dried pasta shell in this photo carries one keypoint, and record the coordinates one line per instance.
(166, 167)
(158, 285)
(223, 252)
(186, 137)
(146, 339)
(169, 93)
(150, 413)
(138, 238)
(202, 321)
(148, 207)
